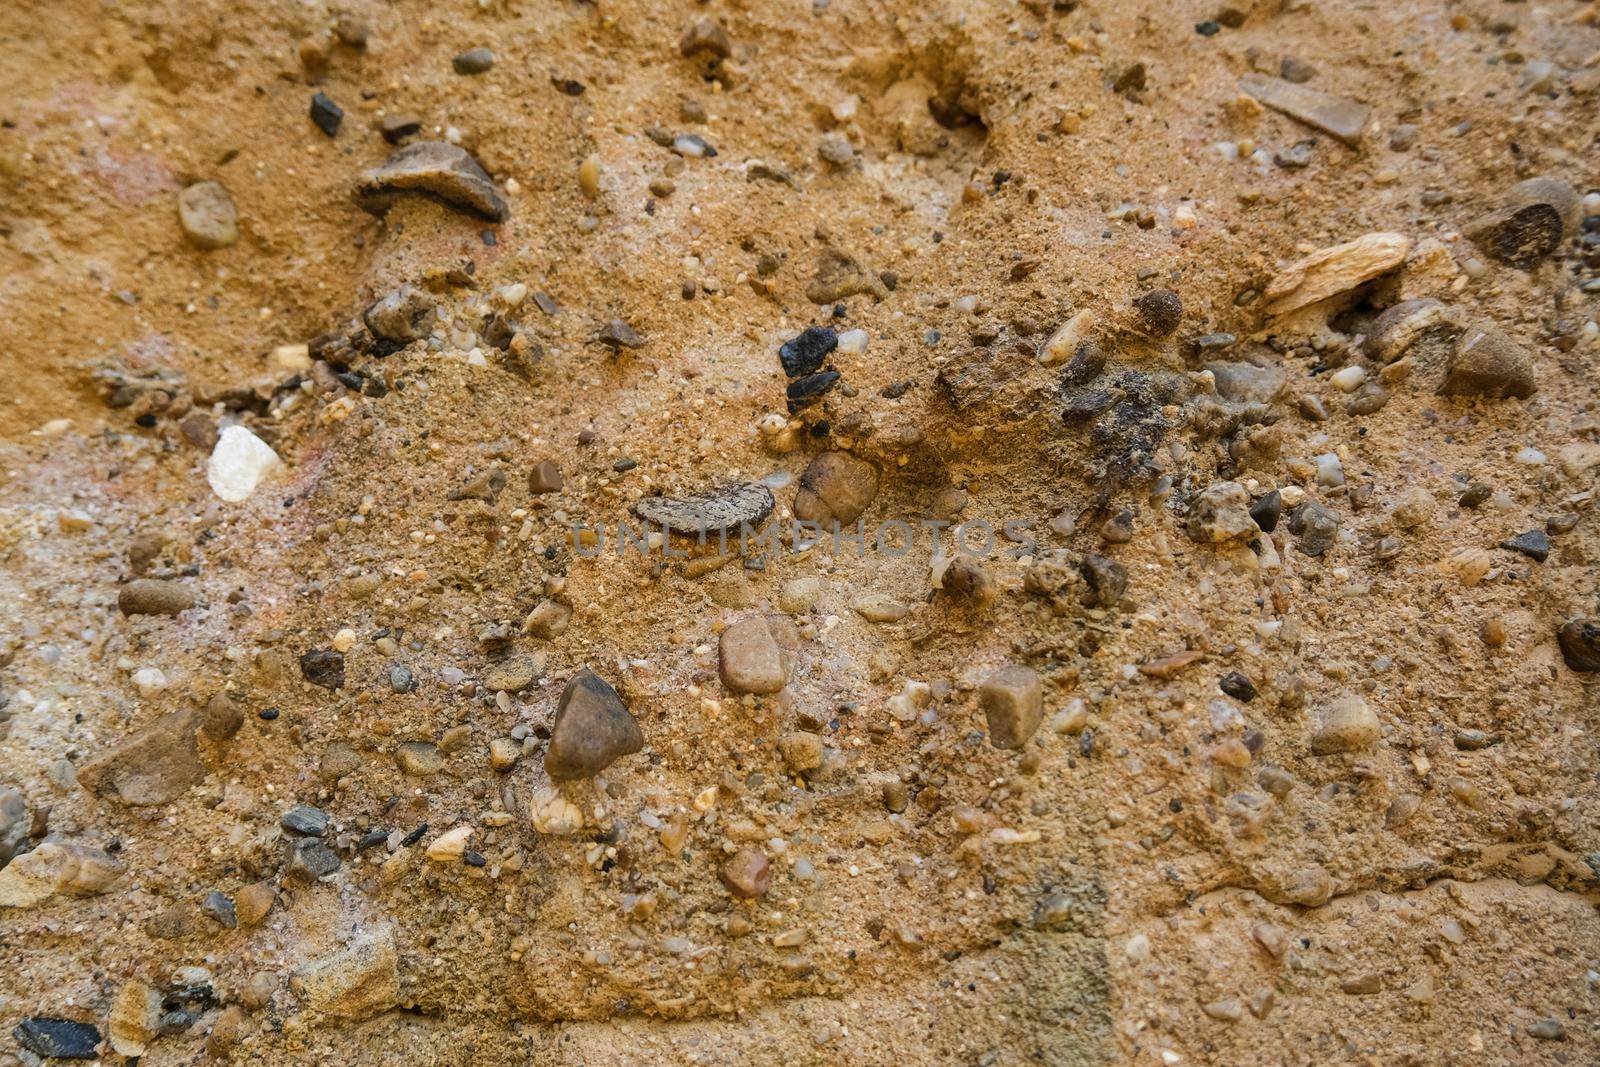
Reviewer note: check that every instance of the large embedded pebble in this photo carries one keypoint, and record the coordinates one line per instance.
(545, 477)
(208, 216)
(1347, 724)
(355, 982)
(1246, 383)
(1221, 513)
(1331, 271)
(1580, 644)
(400, 316)
(1529, 222)
(1488, 363)
(617, 335)
(238, 464)
(706, 37)
(305, 819)
(1335, 115)
(154, 596)
(324, 667)
(61, 1039)
(252, 902)
(1159, 311)
(1012, 699)
(1316, 526)
(750, 659)
(434, 169)
(840, 276)
(135, 1019)
(57, 868)
(473, 61)
(836, 487)
(152, 766)
(747, 874)
(1308, 887)
(712, 512)
(1421, 327)
(592, 730)
(14, 822)
(419, 759)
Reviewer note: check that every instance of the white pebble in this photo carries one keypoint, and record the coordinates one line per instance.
(1330, 471)
(238, 463)
(1349, 379)
(853, 342)
(1529, 456)
(149, 681)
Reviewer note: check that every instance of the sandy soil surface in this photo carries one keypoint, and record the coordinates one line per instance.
(1250, 719)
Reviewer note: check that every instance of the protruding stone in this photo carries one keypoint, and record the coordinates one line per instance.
(1488, 363)
(56, 868)
(207, 215)
(61, 1039)
(305, 819)
(706, 37)
(545, 477)
(252, 902)
(1529, 222)
(153, 765)
(1012, 699)
(354, 983)
(135, 1019)
(1337, 269)
(239, 462)
(1580, 644)
(1159, 312)
(747, 874)
(750, 659)
(836, 487)
(419, 759)
(709, 513)
(401, 316)
(1422, 327)
(801, 751)
(592, 730)
(1309, 887)
(1344, 119)
(1221, 513)
(1347, 724)
(222, 718)
(1316, 526)
(805, 353)
(154, 596)
(435, 169)
(323, 667)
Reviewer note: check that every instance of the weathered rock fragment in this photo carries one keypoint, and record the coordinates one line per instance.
(436, 169)
(1335, 115)
(592, 730)
(1336, 269)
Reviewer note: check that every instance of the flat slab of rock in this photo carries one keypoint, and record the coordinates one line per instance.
(1337, 269)
(155, 765)
(1334, 115)
(711, 512)
(60, 1039)
(750, 659)
(354, 983)
(436, 169)
(592, 730)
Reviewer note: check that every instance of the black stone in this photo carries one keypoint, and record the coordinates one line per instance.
(371, 839)
(414, 836)
(804, 354)
(1580, 644)
(808, 390)
(58, 1038)
(1160, 311)
(1237, 686)
(220, 908)
(1266, 511)
(310, 859)
(326, 114)
(324, 667)
(1535, 544)
(1085, 366)
(305, 819)
(1208, 28)
(617, 335)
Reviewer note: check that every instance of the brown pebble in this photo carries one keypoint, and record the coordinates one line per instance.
(747, 874)
(154, 596)
(592, 730)
(1012, 699)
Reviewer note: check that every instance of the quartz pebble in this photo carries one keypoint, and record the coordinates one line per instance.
(239, 463)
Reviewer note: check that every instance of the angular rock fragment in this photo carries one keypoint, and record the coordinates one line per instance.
(239, 462)
(57, 868)
(1422, 327)
(1336, 269)
(839, 276)
(354, 983)
(135, 1019)
(60, 1039)
(747, 874)
(1159, 312)
(400, 316)
(1012, 699)
(617, 335)
(1219, 514)
(436, 169)
(155, 765)
(14, 822)
(1335, 115)
(836, 487)
(709, 513)
(324, 667)
(592, 730)
(326, 114)
(706, 37)
(1316, 526)
(804, 354)
(1488, 363)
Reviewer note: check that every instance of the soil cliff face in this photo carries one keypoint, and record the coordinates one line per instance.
(1167, 621)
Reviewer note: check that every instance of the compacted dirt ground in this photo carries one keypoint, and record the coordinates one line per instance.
(1249, 717)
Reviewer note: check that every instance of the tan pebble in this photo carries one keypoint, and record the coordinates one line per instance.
(135, 1019)
(252, 902)
(450, 846)
(1347, 724)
